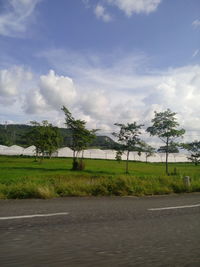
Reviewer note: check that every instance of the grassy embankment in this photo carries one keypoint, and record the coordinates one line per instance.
(24, 178)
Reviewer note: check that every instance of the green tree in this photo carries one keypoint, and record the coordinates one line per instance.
(194, 149)
(80, 137)
(164, 125)
(173, 148)
(45, 137)
(148, 150)
(129, 140)
(7, 136)
(118, 156)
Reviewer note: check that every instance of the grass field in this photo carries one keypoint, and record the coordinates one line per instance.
(24, 178)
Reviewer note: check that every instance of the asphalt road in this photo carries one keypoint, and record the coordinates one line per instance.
(101, 231)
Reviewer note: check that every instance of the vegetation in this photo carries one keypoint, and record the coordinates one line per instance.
(24, 178)
(21, 177)
(80, 138)
(194, 149)
(128, 138)
(172, 148)
(45, 137)
(148, 150)
(16, 134)
(164, 125)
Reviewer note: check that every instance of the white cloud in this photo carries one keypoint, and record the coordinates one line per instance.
(121, 93)
(196, 52)
(11, 80)
(196, 23)
(101, 13)
(179, 91)
(104, 95)
(52, 93)
(34, 102)
(57, 90)
(15, 20)
(95, 104)
(13, 84)
(129, 7)
(135, 6)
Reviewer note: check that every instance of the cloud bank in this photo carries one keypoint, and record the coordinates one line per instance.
(51, 93)
(103, 95)
(11, 83)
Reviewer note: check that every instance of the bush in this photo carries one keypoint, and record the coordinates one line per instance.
(46, 192)
(21, 191)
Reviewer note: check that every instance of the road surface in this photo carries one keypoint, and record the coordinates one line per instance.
(104, 231)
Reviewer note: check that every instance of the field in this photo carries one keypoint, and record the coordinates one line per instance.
(24, 178)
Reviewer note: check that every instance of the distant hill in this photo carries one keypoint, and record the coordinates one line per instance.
(15, 134)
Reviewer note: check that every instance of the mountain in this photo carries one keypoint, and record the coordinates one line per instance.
(15, 134)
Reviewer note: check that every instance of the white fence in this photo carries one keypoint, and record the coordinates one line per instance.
(95, 154)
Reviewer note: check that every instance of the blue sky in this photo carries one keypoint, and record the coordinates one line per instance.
(107, 60)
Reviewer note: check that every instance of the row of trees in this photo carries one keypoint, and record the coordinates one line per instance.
(46, 138)
(164, 125)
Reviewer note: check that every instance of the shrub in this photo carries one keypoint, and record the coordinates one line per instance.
(21, 191)
(46, 192)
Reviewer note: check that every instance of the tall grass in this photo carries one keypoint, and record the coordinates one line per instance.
(24, 178)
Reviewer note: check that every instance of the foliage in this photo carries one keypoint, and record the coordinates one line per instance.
(164, 125)
(16, 134)
(128, 137)
(118, 156)
(7, 135)
(24, 178)
(80, 137)
(173, 148)
(45, 137)
(148, 150)
(194, 149)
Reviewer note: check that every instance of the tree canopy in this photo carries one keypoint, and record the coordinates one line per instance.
(81, 137)
(128, 138)
(164, 125)
(148, 150)
(45, 137)
(194, 149)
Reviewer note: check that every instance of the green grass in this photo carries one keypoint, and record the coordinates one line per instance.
(24, 178)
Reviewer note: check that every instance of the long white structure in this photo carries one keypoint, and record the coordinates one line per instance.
(95, 154)
(11, 150)
(65, 152)
(29, 151)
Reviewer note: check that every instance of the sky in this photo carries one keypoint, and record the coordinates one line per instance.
(107, 61)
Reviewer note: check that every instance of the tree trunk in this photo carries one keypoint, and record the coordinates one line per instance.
(74, 155)
(36, 154)
(127, 158)
(74, 160)
(167, 153)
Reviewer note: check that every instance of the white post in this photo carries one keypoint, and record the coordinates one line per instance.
(187, 181)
